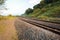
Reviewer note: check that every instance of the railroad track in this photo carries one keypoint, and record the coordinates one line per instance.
(47, 21)
(43, 20)
(55, 28)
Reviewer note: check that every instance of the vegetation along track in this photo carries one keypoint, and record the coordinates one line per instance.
(53, 27)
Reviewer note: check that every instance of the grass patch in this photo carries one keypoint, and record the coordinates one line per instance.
(6, 17)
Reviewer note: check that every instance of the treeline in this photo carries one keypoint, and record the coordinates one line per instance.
(40, 5)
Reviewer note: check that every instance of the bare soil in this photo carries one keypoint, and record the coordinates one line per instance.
(7, 30)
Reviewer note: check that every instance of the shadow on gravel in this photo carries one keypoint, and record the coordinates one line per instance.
(29, 33)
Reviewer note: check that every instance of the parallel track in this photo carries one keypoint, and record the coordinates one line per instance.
(47, 27)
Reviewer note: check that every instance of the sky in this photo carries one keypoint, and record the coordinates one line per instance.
(18, 7)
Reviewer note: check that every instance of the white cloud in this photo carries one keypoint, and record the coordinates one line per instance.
(34, 2)
(17, 7)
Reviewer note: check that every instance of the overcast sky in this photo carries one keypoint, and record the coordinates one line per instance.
(18, 7)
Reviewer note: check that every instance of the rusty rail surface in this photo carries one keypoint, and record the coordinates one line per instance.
(55, 28)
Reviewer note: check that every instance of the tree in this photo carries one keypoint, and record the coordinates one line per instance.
(2, 2)
(2, 7)
(36, 6)
(50, 1)
(28, 11)
(40, 5)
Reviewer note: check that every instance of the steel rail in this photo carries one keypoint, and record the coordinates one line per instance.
(54, 30)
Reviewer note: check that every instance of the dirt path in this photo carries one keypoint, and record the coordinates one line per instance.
(8, 31)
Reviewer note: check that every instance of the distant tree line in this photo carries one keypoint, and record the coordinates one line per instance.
(40, 5)
(28, 11)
